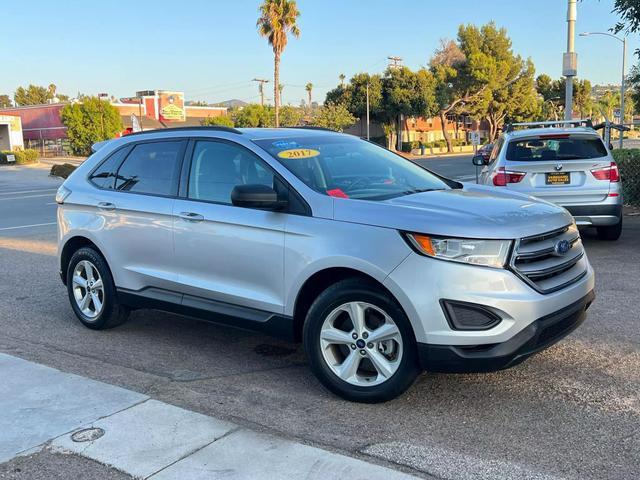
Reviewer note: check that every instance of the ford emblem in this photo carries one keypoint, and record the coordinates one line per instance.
(561, 247)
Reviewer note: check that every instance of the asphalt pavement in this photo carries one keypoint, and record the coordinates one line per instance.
(572, 411)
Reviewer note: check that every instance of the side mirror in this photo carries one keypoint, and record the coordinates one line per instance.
(256, 196)
(479, 160)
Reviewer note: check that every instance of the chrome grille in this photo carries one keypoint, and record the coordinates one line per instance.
(536, 260)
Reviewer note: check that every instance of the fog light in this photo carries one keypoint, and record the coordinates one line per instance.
(469, 316)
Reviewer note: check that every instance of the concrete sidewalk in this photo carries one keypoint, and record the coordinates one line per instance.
(46, 411)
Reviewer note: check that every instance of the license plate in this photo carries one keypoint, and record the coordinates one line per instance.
(558, 178)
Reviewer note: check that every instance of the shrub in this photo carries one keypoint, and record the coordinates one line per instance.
(63, 170)
(628, 160)
(23, 157)
(221, 120)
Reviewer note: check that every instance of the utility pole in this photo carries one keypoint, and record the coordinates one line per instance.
(367, 110)
(261, 82)
(622, 85)
(395, 62)
(570, 59)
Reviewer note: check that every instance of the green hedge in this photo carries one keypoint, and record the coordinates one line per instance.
(22, 156)
(628, 160)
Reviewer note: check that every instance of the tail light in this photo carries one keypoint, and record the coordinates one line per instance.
(502, 177)
(610, 173)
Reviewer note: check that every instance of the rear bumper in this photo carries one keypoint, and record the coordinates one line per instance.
(596, 215)
(537, 336)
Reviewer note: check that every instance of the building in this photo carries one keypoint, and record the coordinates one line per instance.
(10, 132)
(42, 128)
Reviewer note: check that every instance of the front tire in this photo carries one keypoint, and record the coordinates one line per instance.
(91, 290)
(611, 232)
(359, 342)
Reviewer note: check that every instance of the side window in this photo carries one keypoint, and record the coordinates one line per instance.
(496, 150)
(105, 174)
(217, 167)
(151, 168)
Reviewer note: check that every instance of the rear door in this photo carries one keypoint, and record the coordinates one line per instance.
(134, 207)
(558, 167)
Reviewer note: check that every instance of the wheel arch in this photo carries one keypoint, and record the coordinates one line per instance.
(320, 281)
(72, 245)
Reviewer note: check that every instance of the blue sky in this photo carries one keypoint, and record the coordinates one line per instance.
(210, 48)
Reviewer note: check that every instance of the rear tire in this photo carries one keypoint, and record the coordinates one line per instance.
(376, 365)
(91, 290)
(611, 232)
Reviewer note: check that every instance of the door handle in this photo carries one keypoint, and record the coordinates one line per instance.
(107, 206)
(191, 217)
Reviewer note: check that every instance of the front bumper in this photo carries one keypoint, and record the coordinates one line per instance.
(538, 335)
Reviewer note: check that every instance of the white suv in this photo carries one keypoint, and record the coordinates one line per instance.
(561, 163)
(380, 267)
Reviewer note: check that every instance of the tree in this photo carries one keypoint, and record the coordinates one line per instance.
(404, 94)
(220, 120)
(32, 95)
(342, 76)
(91, 121)
(5, 101)
(582, 97)
(629, 10)
(277, 19)
(253, 115)
(309, 88)
(334, 117)
(290, 116)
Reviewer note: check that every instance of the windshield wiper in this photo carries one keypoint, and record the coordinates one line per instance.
(420, 190)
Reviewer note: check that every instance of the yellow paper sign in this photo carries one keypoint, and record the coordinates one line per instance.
(299, 153)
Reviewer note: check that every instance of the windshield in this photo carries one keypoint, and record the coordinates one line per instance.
(561, 147)
(347, 167)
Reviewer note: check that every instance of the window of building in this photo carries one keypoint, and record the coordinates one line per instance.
(151, 168)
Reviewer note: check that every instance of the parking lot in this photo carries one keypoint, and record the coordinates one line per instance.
(572, 411)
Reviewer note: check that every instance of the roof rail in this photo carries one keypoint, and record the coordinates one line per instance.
(216, 128)
(551, 123)
(312, 127)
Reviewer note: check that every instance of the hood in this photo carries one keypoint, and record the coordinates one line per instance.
(473, 211)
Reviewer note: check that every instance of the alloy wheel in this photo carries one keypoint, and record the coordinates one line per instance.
(88, 289)
(361, 344)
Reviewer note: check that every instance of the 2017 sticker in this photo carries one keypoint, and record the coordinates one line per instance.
(296, 153)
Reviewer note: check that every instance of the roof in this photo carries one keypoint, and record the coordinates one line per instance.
(533, 132)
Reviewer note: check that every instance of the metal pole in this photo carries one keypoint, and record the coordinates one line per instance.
(367, 111)
(570, 64)
(624, 55)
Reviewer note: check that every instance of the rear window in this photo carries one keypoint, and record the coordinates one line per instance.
(556, 148)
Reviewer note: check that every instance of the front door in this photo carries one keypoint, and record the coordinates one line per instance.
(226, 253)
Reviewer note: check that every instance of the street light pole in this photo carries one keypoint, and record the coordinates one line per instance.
(622, 40)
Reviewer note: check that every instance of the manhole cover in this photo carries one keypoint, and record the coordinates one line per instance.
(87, 434)
(273, 350)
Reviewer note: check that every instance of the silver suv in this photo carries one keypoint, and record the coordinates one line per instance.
(561, 163)
(381, 268)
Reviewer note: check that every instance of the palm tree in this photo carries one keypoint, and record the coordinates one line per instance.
(309, 87)
(342, 76)
(277, 19)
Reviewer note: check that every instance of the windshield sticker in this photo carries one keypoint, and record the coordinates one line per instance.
(296, 153)
(285, 144)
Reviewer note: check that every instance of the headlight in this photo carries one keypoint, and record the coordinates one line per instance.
(488, 253)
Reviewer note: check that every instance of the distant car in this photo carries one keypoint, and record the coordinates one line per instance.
(378, 266)
(485, 150)
(564, 164)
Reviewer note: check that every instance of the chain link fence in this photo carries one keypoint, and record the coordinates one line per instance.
(628, 160)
